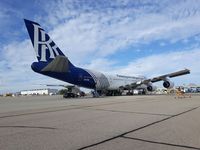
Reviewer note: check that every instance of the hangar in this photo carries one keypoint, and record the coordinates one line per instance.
(39, 92)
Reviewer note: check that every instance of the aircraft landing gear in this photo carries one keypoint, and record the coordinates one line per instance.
(95, 93)
(114, 93)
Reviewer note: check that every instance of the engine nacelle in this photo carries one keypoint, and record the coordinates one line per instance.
(168, 84)
(151, 87)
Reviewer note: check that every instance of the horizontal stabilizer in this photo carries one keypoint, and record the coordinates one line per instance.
(59, 64)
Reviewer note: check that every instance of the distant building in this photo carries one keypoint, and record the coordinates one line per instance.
(39, 92)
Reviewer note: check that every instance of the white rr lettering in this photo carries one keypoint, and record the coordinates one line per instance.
(45, 45)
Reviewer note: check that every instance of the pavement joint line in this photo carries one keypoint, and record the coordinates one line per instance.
(63, 109)
(114, 102)
(161, 143)
(32, 127)
(110, 110)
(38, 112)
(134, 130)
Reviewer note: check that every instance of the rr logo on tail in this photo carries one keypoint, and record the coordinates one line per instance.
(45, 43)
(46, 50)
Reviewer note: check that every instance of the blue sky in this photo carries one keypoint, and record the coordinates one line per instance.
(118, 36)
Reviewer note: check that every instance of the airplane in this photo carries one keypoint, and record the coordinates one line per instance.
(53, 63)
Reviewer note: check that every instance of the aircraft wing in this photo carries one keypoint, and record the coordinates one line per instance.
(66, 86)
(162, 77)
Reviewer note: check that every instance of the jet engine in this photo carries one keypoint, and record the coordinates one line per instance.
(168, 84)
(151, 87)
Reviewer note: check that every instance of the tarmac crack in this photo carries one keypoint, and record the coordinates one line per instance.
(161, 143)
(132, 112)
(140, 128)
(32, 127)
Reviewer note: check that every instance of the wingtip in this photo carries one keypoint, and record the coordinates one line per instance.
(188, 70)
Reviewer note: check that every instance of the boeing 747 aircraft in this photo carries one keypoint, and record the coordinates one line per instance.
(53, 63)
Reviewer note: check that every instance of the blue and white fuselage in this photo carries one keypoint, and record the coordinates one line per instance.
(88, 78)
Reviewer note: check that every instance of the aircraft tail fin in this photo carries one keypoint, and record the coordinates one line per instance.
(49, 55)
(45, 48)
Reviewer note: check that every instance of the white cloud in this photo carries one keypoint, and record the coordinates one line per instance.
(165, 62)
(91, 29)
(100, 64)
